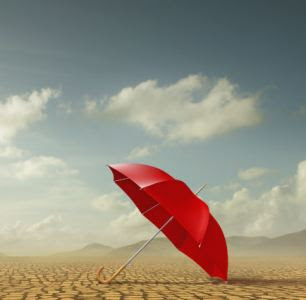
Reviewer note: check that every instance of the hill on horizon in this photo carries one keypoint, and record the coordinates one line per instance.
(94, 249)
(292, 244)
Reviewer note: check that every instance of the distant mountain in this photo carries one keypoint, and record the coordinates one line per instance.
(94, 249)
(244, 245)
(291, 244)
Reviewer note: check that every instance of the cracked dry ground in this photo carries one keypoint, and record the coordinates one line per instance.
(175, 278)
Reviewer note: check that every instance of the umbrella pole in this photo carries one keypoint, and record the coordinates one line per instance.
(133, 256)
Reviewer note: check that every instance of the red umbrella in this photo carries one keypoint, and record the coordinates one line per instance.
(183, 217)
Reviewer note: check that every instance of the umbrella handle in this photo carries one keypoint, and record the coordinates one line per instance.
(99, 272)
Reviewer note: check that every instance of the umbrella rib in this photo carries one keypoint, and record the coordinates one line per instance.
(150, 208)
(121, 179)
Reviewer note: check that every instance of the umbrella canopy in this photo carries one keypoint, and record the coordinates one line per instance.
(192, 230)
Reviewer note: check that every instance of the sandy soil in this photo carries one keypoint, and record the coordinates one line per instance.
(68, 278)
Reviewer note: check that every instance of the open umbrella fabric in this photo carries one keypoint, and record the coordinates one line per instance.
(192, 230)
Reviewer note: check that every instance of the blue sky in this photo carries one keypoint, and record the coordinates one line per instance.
(100, 82)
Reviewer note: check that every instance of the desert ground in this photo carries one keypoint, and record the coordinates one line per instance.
(150, 278)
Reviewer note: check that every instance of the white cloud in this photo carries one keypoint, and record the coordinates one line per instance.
(38, 167)
(21, 231)
(112, 202)
(141, 152)
(41, 228)
(11, 152)
(253, 173)
(277, 211)
(43, 237)
(29, 198)
(65, 107)
(193, 108)
(301, 181)
(90, 106)
(19, 111)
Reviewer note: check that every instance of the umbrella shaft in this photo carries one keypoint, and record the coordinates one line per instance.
(147, 242)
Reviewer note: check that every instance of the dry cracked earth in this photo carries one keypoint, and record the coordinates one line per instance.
(68, 278)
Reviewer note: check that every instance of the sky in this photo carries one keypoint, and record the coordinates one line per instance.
(210, 91)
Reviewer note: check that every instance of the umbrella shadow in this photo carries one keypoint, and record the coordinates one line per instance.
(265, 281)
(158, 282)
(166, 282)
(231, 281)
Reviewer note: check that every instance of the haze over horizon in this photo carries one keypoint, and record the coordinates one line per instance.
(210, 91)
